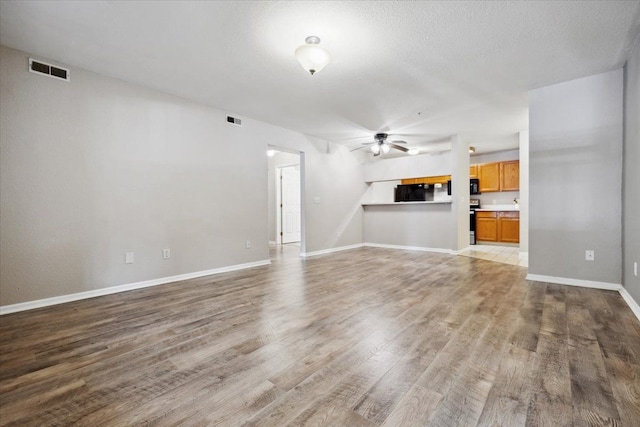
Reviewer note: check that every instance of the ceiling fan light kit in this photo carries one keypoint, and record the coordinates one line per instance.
(380, 145)
(311, 56)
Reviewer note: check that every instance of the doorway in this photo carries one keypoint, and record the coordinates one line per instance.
(289, 204)
(285, 198)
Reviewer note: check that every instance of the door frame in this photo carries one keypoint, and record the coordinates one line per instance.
(302, 163)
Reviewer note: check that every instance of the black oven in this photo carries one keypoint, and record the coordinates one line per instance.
(473, 205)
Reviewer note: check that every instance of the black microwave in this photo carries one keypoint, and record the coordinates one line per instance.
(474, 186)
(411, 193)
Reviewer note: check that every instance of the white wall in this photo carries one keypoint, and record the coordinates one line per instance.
(97, 167)
(424, 226)
(334, 187)
(575, 131)
(380, 169)
(524, 191)
(433, 226)
(631, 175)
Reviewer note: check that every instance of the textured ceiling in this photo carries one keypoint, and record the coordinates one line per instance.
(422, 69)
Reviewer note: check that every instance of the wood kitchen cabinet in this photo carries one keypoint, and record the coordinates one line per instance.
(509, 176)
(509, 227)
(489, 176)
(440, 179)
(497, 176)
(473, 171)
(502, 226)
(487, 226)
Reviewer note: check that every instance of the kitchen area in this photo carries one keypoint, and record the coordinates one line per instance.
(421, 213)
(494, 209)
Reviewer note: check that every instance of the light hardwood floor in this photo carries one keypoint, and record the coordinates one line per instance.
(358, 338)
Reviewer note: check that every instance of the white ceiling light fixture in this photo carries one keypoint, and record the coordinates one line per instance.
(385, 148)
(375, 149)
(472, 149)
(311, 56)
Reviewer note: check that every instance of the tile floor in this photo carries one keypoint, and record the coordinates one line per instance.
(504, 254)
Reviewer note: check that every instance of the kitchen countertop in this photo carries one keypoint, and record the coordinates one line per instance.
(499, 208)
(431, 202)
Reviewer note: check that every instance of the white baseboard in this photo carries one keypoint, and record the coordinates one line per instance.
(29, 305)
(413, 248)
(575, 282)
(331, 250)
(633, 305)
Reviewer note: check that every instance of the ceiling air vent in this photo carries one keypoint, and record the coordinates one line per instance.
(234, 121)
(43, 68)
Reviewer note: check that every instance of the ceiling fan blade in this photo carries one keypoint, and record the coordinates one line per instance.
(398, 147)
(357, 148)
(399, 142)
(369, 143)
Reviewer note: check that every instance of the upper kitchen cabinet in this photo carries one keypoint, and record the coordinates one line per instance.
(473, 171)
(440, 179)
(499, 176)
(489, 176)
(509, 176)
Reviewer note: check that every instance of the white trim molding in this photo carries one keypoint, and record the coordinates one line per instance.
(29, 305)
(633, 305)
(414, 248)
(575, 282)
(331, 250)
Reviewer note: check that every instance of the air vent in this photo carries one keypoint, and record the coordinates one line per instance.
(45, 69)
(234, 121)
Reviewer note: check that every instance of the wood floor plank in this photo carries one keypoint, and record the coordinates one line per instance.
(550, 403)
(509, 398)
(369, 336)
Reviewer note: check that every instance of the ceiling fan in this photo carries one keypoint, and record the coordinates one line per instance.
(381, 145)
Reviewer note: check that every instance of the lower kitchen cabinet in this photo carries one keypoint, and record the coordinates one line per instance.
(509, 227)
(498, 226)
(487, 226)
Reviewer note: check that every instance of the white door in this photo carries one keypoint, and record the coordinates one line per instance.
(290, 203)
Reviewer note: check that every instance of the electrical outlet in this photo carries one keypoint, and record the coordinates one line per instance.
(248, 244)
(166, 253)
(128, 258)
(590, 255)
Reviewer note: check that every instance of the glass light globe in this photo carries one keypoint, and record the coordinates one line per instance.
(312, 57)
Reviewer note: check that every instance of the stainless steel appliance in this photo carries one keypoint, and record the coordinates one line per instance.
(473, 205)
